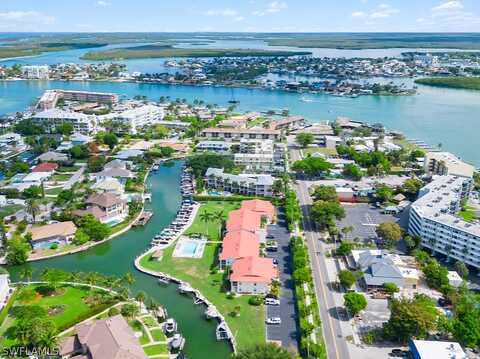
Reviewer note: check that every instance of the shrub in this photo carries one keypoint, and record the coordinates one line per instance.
(255, 300)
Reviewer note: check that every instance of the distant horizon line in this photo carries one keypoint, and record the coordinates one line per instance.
(238, 32)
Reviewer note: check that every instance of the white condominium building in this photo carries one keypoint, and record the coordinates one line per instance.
(260, 155)
(433, 218)
(81, 123)
(446, 163)
(246, 184)
(214, 146)
(36, 72)
(139, 117)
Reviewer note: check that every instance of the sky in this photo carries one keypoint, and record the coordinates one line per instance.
(240, 15)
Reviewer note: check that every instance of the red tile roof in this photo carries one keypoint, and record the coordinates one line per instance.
(253, 269)
(45, 167)
(259, 206)
(243, 219)
(239, 244)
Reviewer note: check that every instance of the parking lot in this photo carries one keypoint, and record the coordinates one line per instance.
(364, 218)
(286, 332)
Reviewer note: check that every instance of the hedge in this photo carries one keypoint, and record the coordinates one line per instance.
(7, 307)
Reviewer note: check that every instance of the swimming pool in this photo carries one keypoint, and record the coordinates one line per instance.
(188, 248)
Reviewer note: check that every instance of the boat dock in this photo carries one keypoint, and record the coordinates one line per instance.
(143, 219)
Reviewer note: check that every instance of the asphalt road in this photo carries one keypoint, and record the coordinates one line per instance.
(286, 332)
(336, 345)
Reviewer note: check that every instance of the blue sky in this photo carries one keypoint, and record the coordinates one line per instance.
(240, 15)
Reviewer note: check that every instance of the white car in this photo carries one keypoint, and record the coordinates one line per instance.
(274, 320)
(272, 301)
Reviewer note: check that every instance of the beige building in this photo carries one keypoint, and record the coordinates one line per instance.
(446, 163)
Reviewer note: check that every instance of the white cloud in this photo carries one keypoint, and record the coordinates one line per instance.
(382, 11)
(103, 3)
(221, 12)
(13, 18)
(273, 7)
(451, 5)
(239, 18)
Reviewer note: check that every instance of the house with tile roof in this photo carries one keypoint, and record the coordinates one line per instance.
(264, 208)
(110, 338)
(45, 167)
(252, 275)
(106, 207)
(238, 244)
(121, 174)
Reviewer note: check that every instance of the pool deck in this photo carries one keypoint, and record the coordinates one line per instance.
(179, 251)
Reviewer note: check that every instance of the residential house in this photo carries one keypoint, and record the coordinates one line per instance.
(44, 237)
(110, 338)
(252, 275)
(122, 175)
(48, 167)
(109, 185)
(51, 156)
(106, 207)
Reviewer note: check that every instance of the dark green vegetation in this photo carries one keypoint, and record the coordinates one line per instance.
(154, 51)
(377, 40)
(468, 83)
(263, 351)
(36, 48)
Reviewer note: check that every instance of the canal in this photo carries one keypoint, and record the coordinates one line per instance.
(116, 257)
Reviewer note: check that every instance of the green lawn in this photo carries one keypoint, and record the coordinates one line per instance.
(158, 335)
(248, 328)
(468, 214)
(53, 191)
(138, 327)
(74, 310)
(322, 150)
(9, 210)
(60, 178)
(155, 349)
(212, 227)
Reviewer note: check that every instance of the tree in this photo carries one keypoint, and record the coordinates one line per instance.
(412, 185)
(344, 249)
(354, 302)
(461, 269)
(26, 273)
(64, 128)
(96, 163)
(65, 196)
(80, 237)
(32, 192)
(263, 351)
(111, 140)
(325, 213)
(93, 228)
(32, 208)
(325, 193)
(79, 152)
(206, 217)
(390, 232)
(140, 297)
(200, 163)
(390, 288)
(312, 166)
(411, 243)
(218, 216)
(304, 139)
(352, 171)
(435, 274)
(410, 318)
(466, 321)
(129, 310)
(54, 277)
(347, 278)
(384, 193)
(17, 251)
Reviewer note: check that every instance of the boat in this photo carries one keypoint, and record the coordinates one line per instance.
(163, 280)
(222, 332)
(185, 288)
(211, 312)
(170, 326)
(176, 343)
(144, 218)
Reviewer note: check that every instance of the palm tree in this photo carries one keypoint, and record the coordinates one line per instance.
(218, 216)
(206, 217)
(92, 279)
(32, 208)
(26, 273)
(140, 297)
(128, 279)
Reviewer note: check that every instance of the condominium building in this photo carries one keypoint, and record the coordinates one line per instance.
(36, 72)
(221, 147)
(230, 134)
(289, 123)
(245, 184)
(260, 155)
(139, 117)
(50, 98)
(81, 123)
(433, 218)
(446, 163)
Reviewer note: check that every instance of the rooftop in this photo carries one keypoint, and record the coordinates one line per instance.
(253, 269)
(428, 349)
(55, 229)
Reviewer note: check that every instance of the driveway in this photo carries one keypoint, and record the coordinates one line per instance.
(286, 332)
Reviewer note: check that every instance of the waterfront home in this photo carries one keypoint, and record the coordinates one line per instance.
(246, 184)
(44, 237)
(106, 207)
(47, 167)
(141, 145)
(126, 154)
(319, 131)
(5, 289)
(52, 156)
(230, 134)
(434, 217)
(289, 123)
(346, 123)
(53, 117)
(379, 267)
(37, 72)
(121, 174)
(252, 275)
(80, 139)
(11, 143)
(446, 163)
(116, 164)
(109, 338)
(238, 244)
(21, 181)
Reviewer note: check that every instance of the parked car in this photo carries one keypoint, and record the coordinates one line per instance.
(272, 301)
(275, 261)
(270, 236)
(398, 353)
(274, 320)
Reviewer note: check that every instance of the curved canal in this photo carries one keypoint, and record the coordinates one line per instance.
(116, 257)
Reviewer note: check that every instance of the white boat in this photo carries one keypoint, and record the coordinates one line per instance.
(170, 326)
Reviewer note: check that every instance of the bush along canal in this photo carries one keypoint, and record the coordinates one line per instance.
(116, 257)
